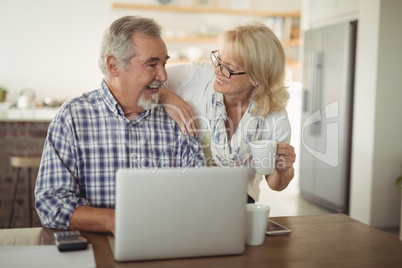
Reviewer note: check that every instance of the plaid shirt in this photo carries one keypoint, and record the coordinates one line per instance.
(89, 139)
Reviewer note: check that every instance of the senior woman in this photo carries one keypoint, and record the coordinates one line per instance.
(239, 98)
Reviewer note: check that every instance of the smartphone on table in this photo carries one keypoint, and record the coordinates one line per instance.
(274, 228)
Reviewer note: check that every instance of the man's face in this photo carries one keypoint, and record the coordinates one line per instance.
(146, 72)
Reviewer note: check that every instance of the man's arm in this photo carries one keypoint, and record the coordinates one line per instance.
(91, 219)
(57, 192)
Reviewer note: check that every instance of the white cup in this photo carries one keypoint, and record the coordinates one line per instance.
(264, 156)
(257, 218)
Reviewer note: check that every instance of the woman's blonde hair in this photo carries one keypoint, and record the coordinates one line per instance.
(261, 54)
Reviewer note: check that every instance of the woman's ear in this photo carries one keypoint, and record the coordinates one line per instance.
(253, 82)
(112, 65)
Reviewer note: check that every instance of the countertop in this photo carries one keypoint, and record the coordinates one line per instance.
(28, 115)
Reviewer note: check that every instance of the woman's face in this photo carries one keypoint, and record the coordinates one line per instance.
(237, 85)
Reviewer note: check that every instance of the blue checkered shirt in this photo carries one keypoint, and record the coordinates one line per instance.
(89, 139)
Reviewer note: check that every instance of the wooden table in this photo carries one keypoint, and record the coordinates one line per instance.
(329, 240)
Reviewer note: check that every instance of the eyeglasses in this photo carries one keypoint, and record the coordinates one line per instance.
(216, 61)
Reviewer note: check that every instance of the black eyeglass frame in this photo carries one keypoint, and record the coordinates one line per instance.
(213, 52)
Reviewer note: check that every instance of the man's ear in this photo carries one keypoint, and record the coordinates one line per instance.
(112, 65)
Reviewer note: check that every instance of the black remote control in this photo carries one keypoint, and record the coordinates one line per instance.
(70, 240)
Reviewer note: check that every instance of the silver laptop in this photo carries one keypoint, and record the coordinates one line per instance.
(179, 213)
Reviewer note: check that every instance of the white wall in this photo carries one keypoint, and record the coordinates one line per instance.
(52, 46)
(377, 150)
(364, 112)
(387, 164)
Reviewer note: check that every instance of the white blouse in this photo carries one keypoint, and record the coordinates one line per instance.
(189, 81)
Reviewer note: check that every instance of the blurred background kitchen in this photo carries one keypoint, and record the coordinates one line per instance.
(49, 52)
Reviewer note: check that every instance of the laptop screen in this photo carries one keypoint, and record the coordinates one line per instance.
(176, 212)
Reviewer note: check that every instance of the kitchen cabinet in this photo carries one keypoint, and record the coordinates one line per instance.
(22, 133)
(18, 138)
(194, 40)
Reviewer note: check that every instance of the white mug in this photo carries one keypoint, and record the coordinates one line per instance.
(264, 156)
(257, 219)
